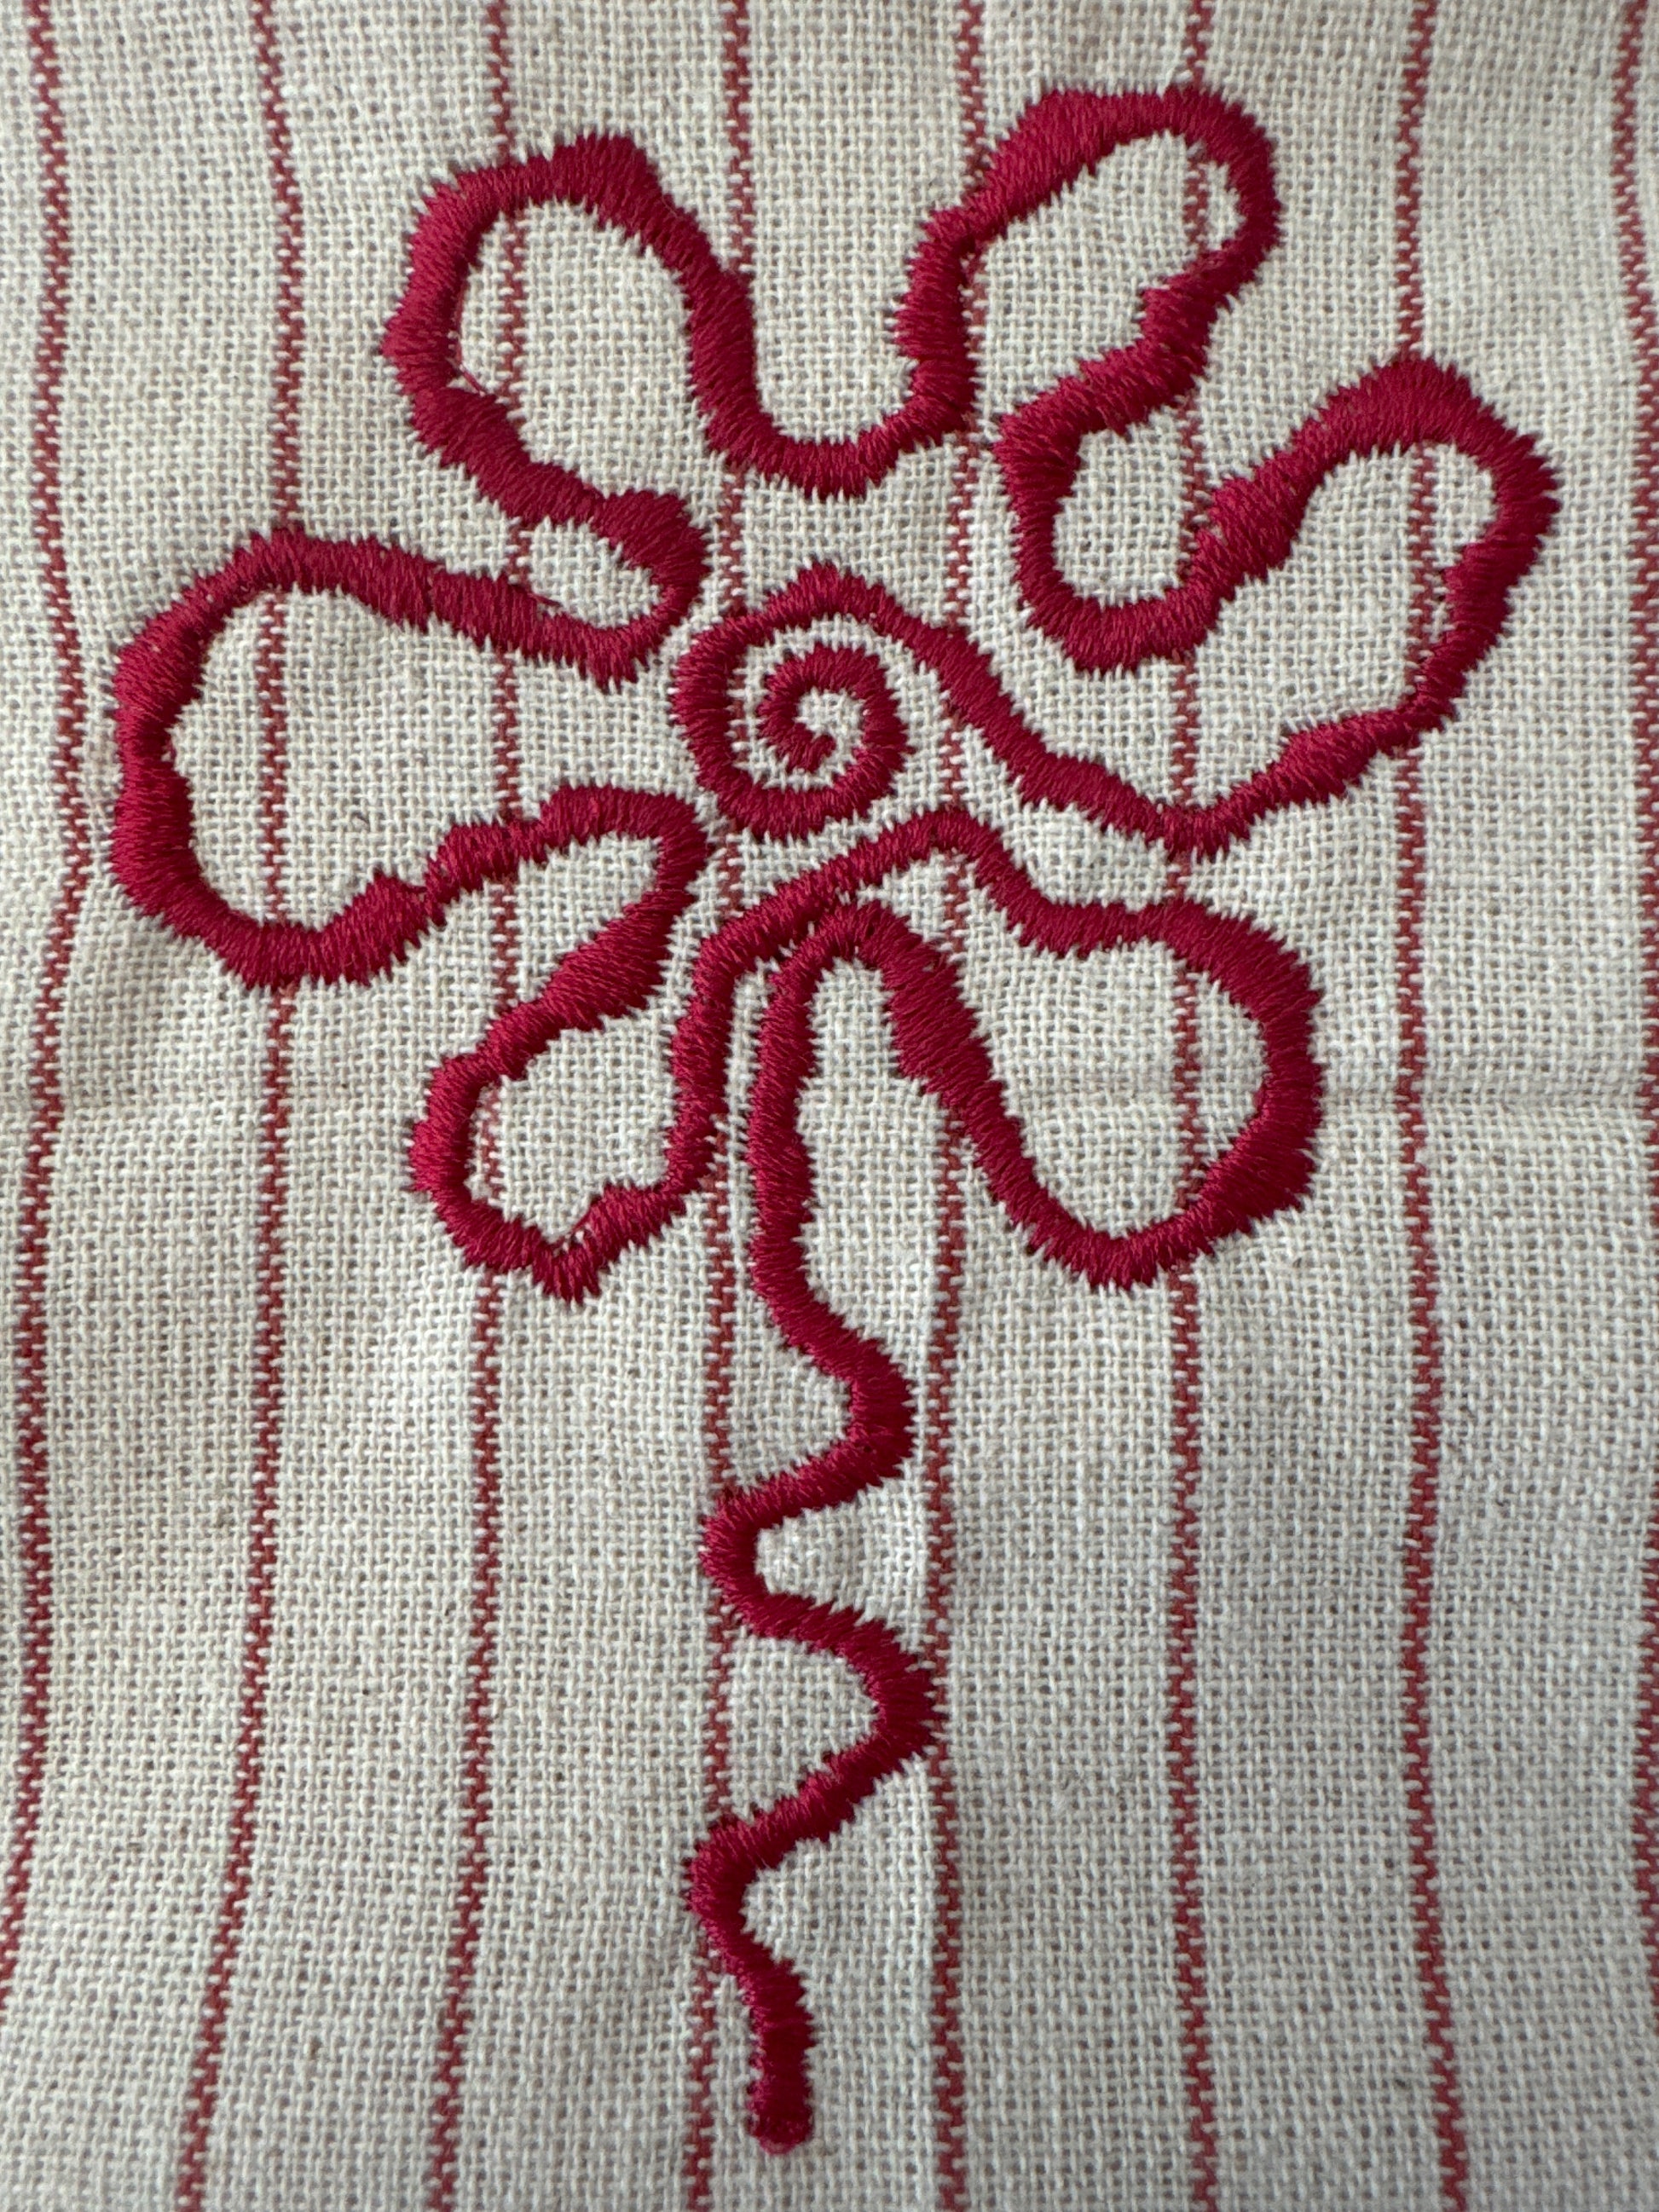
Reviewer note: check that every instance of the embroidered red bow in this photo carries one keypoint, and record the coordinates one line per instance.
(828, 914)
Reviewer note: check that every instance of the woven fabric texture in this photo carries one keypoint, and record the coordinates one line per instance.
(830, 1065)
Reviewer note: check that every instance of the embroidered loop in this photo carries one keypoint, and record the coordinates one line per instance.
(1252, 529)
(153, 848)
(1266, 1167)
(1038, 446)
(474, 430)
(613, 181)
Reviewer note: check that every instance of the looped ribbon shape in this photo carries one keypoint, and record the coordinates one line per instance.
(828, 915)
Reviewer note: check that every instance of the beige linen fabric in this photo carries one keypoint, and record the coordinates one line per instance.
(1020, 1999)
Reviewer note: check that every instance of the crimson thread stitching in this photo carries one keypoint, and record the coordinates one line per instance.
(939, 1047)
(828, 914)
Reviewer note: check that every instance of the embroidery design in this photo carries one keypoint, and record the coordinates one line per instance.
(831, 913)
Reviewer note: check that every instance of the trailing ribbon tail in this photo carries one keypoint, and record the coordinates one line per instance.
(872, 1448)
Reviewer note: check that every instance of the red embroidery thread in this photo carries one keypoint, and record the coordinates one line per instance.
(938, 1045)
(826, 916)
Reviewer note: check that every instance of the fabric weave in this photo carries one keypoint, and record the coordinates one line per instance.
(1272, 1815)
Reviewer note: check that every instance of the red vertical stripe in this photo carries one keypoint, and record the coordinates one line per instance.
(1644, 721)
(202, 2095)
(950, 2133)
(721, 1258)
(1186, 1328)
(473, 1870)
(46, 1087)
(1422, 1509)
(1186, 1454)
